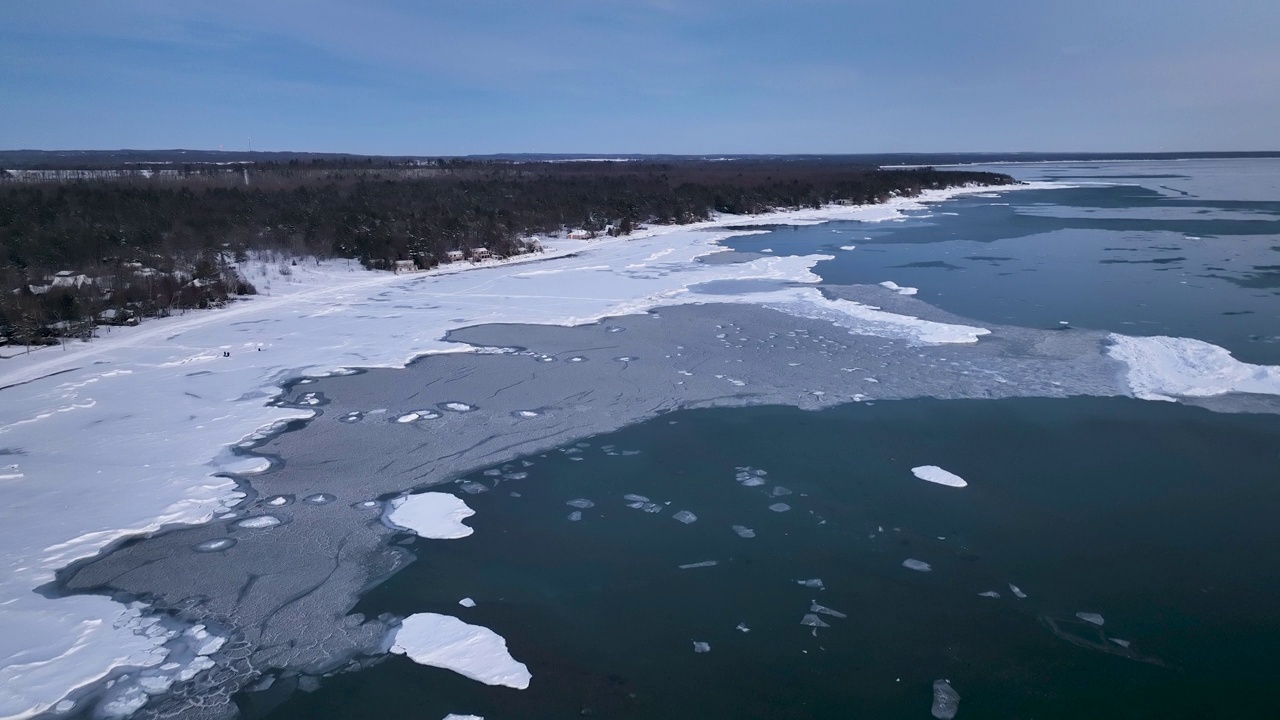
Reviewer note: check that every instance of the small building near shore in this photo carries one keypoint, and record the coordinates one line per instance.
(580, 235)
(405, 266)
(481, 254)
(455, 256)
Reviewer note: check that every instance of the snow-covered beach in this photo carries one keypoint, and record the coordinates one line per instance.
(127, 434)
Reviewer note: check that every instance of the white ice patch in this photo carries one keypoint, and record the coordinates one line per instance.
(432, 515)
(685, 517)
(780, 507)
(470, 650)
(467, 602)
(704, 563)
(701, 647)
(917, 565)
(938, 476)
(581, 503)
(408, 417)
(259, 522)
(901, 290)
(1091, 617)
(989, 594)
(1017, 591)
(1167, 368)
(813, 583)
(743, 531)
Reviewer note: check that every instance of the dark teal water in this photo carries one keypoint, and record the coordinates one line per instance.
(1160, 517)
(1136, 256)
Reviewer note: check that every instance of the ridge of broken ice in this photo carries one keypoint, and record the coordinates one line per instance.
(431, 515)
(901, 290)
(473, 651)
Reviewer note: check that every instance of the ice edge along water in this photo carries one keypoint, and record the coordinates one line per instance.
(133, 473)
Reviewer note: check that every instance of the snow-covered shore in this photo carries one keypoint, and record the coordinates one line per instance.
(126, 434)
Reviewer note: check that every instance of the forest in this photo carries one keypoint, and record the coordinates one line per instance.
(113, 245)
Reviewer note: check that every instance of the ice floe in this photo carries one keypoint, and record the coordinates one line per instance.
(258, 522)
(581, 503)
(824, 610)
(467, 602)
(946, 701)
(1167, 368)
(891, 285)
(1017, 592)
(685, 517)
(743, 531)
(701, 647)
(1091, 617)
(704, 563)
(989, 594)
(780, 507)
(473, 651)
(215, 545)
(938, 476)
(814, 583)
(917, 565)
(432, 515)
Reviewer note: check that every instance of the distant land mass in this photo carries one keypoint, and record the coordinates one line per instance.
(89, 159)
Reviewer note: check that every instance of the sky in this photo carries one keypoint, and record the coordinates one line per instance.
(422, 77)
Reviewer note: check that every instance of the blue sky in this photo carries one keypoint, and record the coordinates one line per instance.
(716, 76)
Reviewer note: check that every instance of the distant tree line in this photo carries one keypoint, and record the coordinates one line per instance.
(129, 246)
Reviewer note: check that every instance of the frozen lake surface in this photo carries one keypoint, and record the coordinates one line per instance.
(657, 432)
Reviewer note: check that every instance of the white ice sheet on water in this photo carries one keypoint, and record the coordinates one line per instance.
(473, 651)
(432, 515)
(1167, 368)
(153, 409)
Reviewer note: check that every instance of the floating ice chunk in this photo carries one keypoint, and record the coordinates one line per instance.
(575, 516)
(848, 247)
(891, 285)
(278, 500)
(685, 517)
(780, 491)
(652, 508)
(780, 507)
(946, 701)
(751, 480)
(515, 475)
(989, 594)
(431, 515)
(467, 602)
(742, 627)
(471, 487)
(215, 545)
(527, 414)
(704, 563)
(1164, 368)
(408, 417)
(1121, 643)
(459, 407)
(815, 583)
(258, 522)
(1017, 592)
(469, 650)
(319, 499)
(917, 565)
(812, 620)
(632, 497)
(493, 472)
(1091, 617)
(938, 476)
(455, 716)
(701, 647)
(824, 610)
(581, 503)
(630, 452)
(743, 531)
